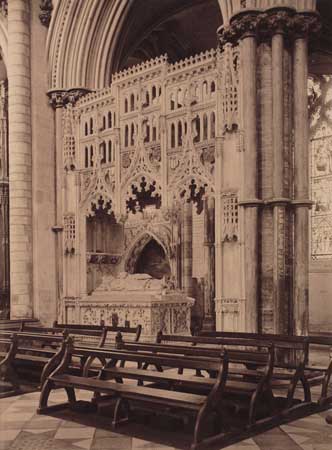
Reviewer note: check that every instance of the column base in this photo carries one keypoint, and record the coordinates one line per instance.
(20, 312)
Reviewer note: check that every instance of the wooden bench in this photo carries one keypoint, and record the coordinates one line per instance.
(254, 392)
(297, 359)
(288, 374)
(32, 354)
(129, 333)
(201, 406)
(10, 384)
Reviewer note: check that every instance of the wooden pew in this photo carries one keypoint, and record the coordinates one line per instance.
(253, 393)
(130, 333)
(311, 375)
(288, 374)
(31, 353)
(200, 405)
(8, 376)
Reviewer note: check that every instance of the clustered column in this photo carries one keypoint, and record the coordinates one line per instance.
(287, 32)
(20, 159)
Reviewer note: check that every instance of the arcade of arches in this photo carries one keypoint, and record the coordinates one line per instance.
(170, 164)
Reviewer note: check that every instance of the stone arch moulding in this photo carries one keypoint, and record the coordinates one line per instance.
(137, 247)
(82, 42)
(83, 36)
(4, 39)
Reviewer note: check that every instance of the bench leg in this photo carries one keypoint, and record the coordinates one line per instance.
(202, 415)
(44, 395)
(121, 412)
(70, 394)
(291, 391)
(265, 396)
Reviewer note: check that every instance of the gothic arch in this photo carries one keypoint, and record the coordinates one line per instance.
(137, 247)
(83, 42)
(84, 37)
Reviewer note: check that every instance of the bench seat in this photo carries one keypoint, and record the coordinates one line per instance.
(130, 392)
(232, 386)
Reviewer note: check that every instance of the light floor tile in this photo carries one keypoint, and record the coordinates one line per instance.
(17, 417)
(9, 435)
(38, 430)
(85, 444)
(74, 433)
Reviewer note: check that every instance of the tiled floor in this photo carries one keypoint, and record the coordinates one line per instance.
(22, 429)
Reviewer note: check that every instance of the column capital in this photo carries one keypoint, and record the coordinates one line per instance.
(57, 97)
(263, 25)
(306, 24)
(61, 97)
(46, 8)
(75, 93)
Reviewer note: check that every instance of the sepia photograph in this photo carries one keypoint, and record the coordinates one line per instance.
(165, 224)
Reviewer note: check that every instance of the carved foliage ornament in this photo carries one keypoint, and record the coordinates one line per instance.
(195, 195)
(102, 208)
(264, 25)
(142, 196)
(46, 8)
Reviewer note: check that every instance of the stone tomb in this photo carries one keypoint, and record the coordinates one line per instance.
(138, 298)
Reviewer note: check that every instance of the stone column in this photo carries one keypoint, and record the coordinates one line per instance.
(4, 204)
(187, 254)
(303, 25)
(57, 101)
(4, 250)
(20, 159)
(209, 261)
(249, 189)
(280, 295)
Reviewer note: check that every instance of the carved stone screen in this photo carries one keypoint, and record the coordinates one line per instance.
(321, 167)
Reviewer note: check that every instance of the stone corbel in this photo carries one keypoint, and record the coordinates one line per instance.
(57, 229)
(4, 7)
(75, 93)
(46, 8)
(57, 98)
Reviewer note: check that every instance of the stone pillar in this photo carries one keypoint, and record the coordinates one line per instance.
(288, 305)
(4, 204)
(20, 159)
(249, 189)
(57, 101)
(209, 261)
(279, 204)
(301, 202)
(4, 250)
(187, 254)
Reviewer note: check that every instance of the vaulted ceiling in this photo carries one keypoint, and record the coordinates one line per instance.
(178, 28)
